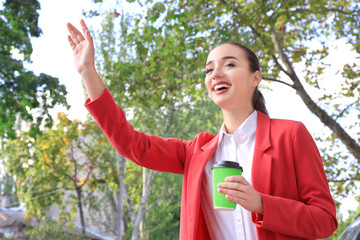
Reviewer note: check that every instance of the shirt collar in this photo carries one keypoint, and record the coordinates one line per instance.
(248, 127)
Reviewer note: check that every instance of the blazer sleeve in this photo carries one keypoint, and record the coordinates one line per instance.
(153, 152)
(313, 214)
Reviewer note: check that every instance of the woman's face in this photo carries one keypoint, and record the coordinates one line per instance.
(229, 81)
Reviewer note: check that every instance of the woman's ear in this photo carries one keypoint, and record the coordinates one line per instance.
(256, 78)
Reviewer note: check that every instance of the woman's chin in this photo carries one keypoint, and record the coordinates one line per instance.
(222, 103)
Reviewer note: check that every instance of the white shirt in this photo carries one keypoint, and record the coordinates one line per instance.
(238, 147)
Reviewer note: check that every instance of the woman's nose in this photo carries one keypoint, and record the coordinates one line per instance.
(217, 73)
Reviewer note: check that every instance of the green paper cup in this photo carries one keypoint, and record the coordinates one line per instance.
(220, 171)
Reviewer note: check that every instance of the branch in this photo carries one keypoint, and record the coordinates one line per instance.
(278, 64)
(73, 159)
(341, 11)
(345, 180)
(280, 50)
(156, 201)
(151, 177)
(84, 142)
(160, 199)
(273, 56)
(345, 109)
(131, 208)
(75, 166)
(326, 10)
(86, 180)
(144, 197)
(279, 81)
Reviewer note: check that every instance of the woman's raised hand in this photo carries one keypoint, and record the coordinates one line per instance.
(82, 46)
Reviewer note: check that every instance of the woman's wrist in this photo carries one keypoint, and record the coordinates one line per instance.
(93, 83)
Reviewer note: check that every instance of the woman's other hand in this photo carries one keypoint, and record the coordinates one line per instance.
(238, 190)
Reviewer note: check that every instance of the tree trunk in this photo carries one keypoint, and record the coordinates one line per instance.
(78, 192)
(150, 176)
(327, 120)
(121, 165)
(141, 225)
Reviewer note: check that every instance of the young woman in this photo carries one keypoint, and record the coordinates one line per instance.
(283, 192)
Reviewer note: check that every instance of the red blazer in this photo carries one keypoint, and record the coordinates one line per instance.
(287, 170)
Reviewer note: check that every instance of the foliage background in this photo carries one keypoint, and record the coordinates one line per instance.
(281, 109)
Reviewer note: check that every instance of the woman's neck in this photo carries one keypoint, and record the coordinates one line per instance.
(233, 119)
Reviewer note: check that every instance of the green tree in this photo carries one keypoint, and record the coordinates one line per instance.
(102, 198)
(343, 224)
(53, 169)
(21, 91)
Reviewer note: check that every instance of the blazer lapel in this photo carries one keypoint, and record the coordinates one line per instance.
(198, 163)
(261, 167)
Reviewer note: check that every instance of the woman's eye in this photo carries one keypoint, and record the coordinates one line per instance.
(230, 65)
(208, 70)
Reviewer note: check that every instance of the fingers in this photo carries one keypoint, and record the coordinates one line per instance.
(236, 199)
(83, 26)
(237, 178)
(237, 183)
(233, 194)
(72, 44)
(243, 194)
(232, 185)
(234, 188)
(88, 35)
(75, 34)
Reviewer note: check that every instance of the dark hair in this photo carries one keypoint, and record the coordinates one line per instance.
(258, 99)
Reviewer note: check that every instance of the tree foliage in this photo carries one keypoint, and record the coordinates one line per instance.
(170, 41)
(21, 91)
(53, 169)
(344, 223)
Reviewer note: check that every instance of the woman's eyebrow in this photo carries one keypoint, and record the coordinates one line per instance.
(226, 57)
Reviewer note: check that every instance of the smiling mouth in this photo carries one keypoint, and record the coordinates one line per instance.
(221, 87)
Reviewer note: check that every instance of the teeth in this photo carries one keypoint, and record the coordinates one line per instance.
(217, 87)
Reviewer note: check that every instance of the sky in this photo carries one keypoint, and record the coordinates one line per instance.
(52, 55)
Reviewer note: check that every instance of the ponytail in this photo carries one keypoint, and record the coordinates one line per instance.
(258, 102)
